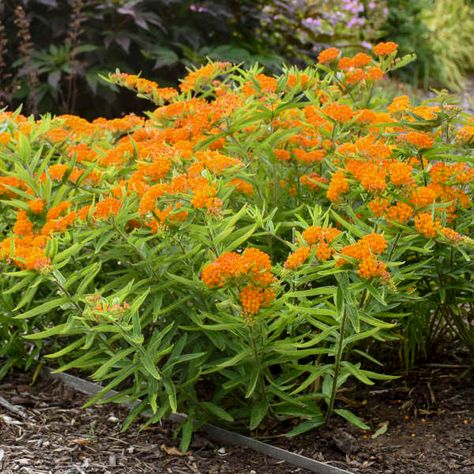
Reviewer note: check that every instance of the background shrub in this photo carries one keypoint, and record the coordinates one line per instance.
(53, 52)
(439, 33)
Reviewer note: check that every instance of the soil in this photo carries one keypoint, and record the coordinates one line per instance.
(421, 424)
(425, 424)
(55, 435)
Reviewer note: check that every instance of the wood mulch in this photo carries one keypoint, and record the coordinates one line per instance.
(422, 424)
(53, 434)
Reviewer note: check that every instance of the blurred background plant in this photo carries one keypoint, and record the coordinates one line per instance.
(67, 44)
(298, 29)
(440, 32)
(52, 52)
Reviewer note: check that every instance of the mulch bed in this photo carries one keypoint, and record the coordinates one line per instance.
(426, 426)
(58, 436)
(425, 423)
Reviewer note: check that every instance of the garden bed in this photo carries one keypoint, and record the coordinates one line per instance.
(248, 252)
(59, 436)
(429, 418)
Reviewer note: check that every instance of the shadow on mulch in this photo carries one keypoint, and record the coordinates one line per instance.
(424, 425)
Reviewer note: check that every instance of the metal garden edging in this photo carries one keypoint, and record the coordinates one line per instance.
(215, 433)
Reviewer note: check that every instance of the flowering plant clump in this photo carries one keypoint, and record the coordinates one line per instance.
(261, 235)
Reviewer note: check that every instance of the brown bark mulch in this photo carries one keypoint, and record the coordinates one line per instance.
(421, 424)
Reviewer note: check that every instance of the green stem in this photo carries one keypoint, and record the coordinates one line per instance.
(337, 365)
(394, 246)
(420, 157)
(258, 361)
(67, 294)
(369, 96)
(143, 258)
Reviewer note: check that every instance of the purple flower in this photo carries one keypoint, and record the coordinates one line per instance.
(352, 22)
(312, 23)
(197, 8)
(352, 6)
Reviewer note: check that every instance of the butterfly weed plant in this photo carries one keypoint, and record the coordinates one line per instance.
(245, 249)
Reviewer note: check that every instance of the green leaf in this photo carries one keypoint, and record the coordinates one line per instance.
(315, 374)
(351, 418)
(254, 378)
(362, 335)
(238, 358)
(120, 376)
(66, 350)
(171, 391)
(258, 412)
(133, 415)
(92, 271)
(86, 360)
(187, 429)
(162, 55)
(305, 426)
(217, 411)
(323, 290)
(239, 241)
(43, 308)
(100, 373)
(149, 365)
(356, 372)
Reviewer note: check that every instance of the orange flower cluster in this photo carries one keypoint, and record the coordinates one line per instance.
(420, 140)
(29, 252)
(253, 263)
(252, 269)
(385, 49)
(423, 196)
(265, 85)
(365, 252)
(8, 182)
(304, 156)
(328, 55)
(426, 225)
(341, 113)
(205, 198)
(242, 186)
(400, 103)
(319, 239)
(106, 208)
(143, 86)
(465, 134)
(400, 212)
(297, 258)
(25, 248)
(202, 76)
(253, 298)
(337, 186)
(356, 69)
(371, 176)
(401, 174)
